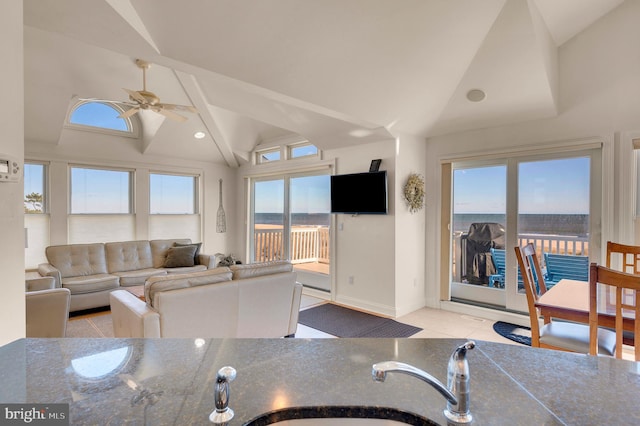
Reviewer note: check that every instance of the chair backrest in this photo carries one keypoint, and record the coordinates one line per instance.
(607, 277)
(534, 285)
(628, 260)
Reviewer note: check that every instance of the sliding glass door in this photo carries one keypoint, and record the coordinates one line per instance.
(291, 220)
(549, 200)
(479, 220)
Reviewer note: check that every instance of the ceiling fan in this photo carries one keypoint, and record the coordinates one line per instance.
(145, 100)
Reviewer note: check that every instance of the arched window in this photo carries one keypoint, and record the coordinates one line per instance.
(100, 116)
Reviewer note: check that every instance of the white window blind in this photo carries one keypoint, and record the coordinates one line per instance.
(163, 226)
(95, 228)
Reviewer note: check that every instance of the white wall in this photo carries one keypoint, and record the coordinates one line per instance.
(410, 253)
(11, 194)
(599, 81)
(365, 245)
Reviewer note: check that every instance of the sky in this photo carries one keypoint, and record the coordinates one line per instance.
(98, 115)
(558, 186)
(309, 194)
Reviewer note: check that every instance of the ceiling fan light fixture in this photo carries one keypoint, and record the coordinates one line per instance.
(476, 95)
(199, 135)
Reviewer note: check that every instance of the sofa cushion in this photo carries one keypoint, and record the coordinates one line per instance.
(186, 269)
(196, 260)
(90, 283)
(258, 269)
(180, 256)
(170, 282)
(128, 256)
(75, 260)
(159, 249)
(130, 278)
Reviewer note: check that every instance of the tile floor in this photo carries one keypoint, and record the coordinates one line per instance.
(435, 323)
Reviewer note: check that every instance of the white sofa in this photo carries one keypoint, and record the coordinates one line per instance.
(92, 271)
(254, 300)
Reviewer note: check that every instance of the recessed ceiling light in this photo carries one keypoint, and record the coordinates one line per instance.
(199, 135)
(476, 95)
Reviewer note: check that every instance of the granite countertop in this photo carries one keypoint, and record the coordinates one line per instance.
(170, 381)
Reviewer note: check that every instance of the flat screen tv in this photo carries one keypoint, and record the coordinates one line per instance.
(359, 193)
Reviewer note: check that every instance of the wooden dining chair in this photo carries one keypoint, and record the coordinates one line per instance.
(558, 335)
(623, 257)
(620, 281)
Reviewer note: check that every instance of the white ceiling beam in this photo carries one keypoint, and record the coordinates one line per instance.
(125, 9)
(198, 99)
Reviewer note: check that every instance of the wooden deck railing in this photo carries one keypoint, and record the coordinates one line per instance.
(308, 244)
(559, 244)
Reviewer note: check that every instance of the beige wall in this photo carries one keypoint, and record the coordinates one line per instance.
(11, 143)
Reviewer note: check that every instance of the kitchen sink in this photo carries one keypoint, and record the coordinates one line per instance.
(339, 415)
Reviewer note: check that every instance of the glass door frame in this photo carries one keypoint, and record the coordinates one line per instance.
(513, 300)
(286, 177)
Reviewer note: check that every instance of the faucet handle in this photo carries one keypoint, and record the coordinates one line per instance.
(222, 414)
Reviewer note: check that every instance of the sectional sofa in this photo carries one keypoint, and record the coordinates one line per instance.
(92, 271)
(247, 301)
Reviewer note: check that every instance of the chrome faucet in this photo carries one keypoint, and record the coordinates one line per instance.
(457, 392)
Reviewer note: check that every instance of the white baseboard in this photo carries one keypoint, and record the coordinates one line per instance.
(324, 295)
(383, 310)
(492, 314)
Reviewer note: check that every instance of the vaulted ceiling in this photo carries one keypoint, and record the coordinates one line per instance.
(334, 72)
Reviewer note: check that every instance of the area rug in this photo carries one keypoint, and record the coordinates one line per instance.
(343, 322)
(90, 326)
(513, 332)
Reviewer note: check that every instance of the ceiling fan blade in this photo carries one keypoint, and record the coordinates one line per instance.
(107, 101)
(135, 95)
(129, 112)
(186, 108)
(170, 114)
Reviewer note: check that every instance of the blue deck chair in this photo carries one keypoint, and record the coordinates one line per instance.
(498, 257)
(499, 261)
(561, 266)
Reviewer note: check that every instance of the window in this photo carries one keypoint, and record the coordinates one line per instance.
(100, 191)
(268, 156)
(303, 150)
(34, 188)
(172, 194)
(100, 116)
(36, 221)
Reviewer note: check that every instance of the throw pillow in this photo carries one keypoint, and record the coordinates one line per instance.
(179, 257)
(196, 260)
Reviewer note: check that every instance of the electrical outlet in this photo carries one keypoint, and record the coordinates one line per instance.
(350, 279)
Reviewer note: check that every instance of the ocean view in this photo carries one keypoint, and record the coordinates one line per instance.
(297, 219)
(549, 224)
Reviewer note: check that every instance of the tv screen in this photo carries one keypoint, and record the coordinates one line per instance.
(359, 193)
